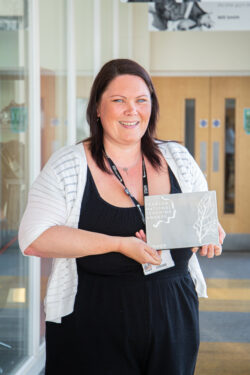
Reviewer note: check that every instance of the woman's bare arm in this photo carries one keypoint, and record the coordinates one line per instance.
(65, 242)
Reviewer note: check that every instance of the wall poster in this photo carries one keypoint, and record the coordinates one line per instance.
(198, 16)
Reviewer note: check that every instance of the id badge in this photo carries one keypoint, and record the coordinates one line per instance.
(166, 262)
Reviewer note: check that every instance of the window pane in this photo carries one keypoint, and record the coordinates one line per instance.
(229, 182)
(190, 125)
(14, 314)
(53, 62)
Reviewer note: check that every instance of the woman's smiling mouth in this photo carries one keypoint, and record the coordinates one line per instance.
(129, 124)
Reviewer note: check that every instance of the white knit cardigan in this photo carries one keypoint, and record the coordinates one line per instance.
(55, 199)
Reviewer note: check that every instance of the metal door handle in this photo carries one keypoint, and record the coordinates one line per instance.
(216, 149)
(203, 156)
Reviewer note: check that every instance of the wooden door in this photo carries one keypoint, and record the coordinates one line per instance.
(230, 96)
(213, 100)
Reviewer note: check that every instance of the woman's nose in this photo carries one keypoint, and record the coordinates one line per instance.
(131, 108)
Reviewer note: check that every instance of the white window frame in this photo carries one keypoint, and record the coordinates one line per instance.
(35, 361)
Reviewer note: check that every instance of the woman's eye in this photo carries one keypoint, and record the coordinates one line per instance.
(117, 100)
(141, 100)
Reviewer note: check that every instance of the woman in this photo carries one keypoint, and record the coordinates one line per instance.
(104, 316)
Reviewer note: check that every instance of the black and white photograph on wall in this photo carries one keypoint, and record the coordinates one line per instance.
(156, 1)
(138, 1)
(177, 1)
(193, 16)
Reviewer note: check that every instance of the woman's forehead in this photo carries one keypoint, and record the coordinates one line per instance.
(127, 83)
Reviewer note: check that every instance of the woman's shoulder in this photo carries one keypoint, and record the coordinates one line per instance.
(66, 155)
(183, 163)
(173, 150)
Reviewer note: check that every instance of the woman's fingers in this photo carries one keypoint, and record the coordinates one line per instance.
(217, 250)
(195, 249)
(137, 234)
(142, 236)
(138, 250)
(203, 251)
(210, 250)
(222, 234)
(153, 253)
(214, 250)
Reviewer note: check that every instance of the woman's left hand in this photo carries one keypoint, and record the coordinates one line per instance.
(142, 236)
(212, 250)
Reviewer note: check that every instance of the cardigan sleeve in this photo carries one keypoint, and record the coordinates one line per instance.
(185, 167)
(46, 207)
(199, 181)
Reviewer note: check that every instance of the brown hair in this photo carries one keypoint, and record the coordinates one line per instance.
(108, 72)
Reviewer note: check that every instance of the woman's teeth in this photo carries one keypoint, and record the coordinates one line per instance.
(128, 123)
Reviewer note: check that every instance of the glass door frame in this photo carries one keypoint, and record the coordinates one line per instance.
(36, 351)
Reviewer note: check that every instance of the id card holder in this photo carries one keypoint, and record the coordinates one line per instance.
(166, 262)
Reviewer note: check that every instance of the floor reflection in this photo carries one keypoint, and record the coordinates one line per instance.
(224, 316)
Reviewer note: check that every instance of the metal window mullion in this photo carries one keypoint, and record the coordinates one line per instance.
(34, 166)
(71, 74)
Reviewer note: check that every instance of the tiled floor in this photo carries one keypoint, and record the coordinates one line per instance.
(224, 316)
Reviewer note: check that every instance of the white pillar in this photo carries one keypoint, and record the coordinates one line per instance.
(97, 36)
(71, 74)
(115, 29)
(130, 32)
(34, 130)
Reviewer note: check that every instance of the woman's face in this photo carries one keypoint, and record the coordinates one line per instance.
(125, 109)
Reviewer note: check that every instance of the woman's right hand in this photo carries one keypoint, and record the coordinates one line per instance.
(138, 250)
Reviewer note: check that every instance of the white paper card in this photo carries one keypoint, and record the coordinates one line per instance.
(181, 220)
(166, 262)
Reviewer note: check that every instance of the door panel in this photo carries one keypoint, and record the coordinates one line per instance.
(210, 96)
(223, 88)
(243, 155)
(169, 92)
(173, 93)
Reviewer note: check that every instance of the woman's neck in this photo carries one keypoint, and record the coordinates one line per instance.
(124, 156)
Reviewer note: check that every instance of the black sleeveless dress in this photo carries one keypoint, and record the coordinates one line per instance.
(123, 321)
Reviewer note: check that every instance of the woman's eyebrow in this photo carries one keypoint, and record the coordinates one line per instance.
(122, 96)
(111, 96)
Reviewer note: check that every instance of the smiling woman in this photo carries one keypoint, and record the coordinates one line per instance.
(124, 110)
(90, 217)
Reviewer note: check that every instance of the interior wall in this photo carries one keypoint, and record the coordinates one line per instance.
(200, 51)
(159, 52)
(53, 35)
(106, 37)
(84, 19)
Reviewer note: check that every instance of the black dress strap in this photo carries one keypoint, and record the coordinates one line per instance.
(175, 187)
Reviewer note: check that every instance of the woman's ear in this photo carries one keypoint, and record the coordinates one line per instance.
(98, 111)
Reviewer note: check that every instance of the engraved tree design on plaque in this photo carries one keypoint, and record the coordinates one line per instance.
(206, 222)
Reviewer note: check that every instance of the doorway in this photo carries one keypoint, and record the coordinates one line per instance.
(210, 116)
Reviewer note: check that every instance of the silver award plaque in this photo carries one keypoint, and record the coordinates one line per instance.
(181, 220)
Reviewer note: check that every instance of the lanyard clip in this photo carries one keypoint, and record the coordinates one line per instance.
(127, 191)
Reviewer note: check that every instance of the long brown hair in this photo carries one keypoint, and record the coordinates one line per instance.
(108, 72)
